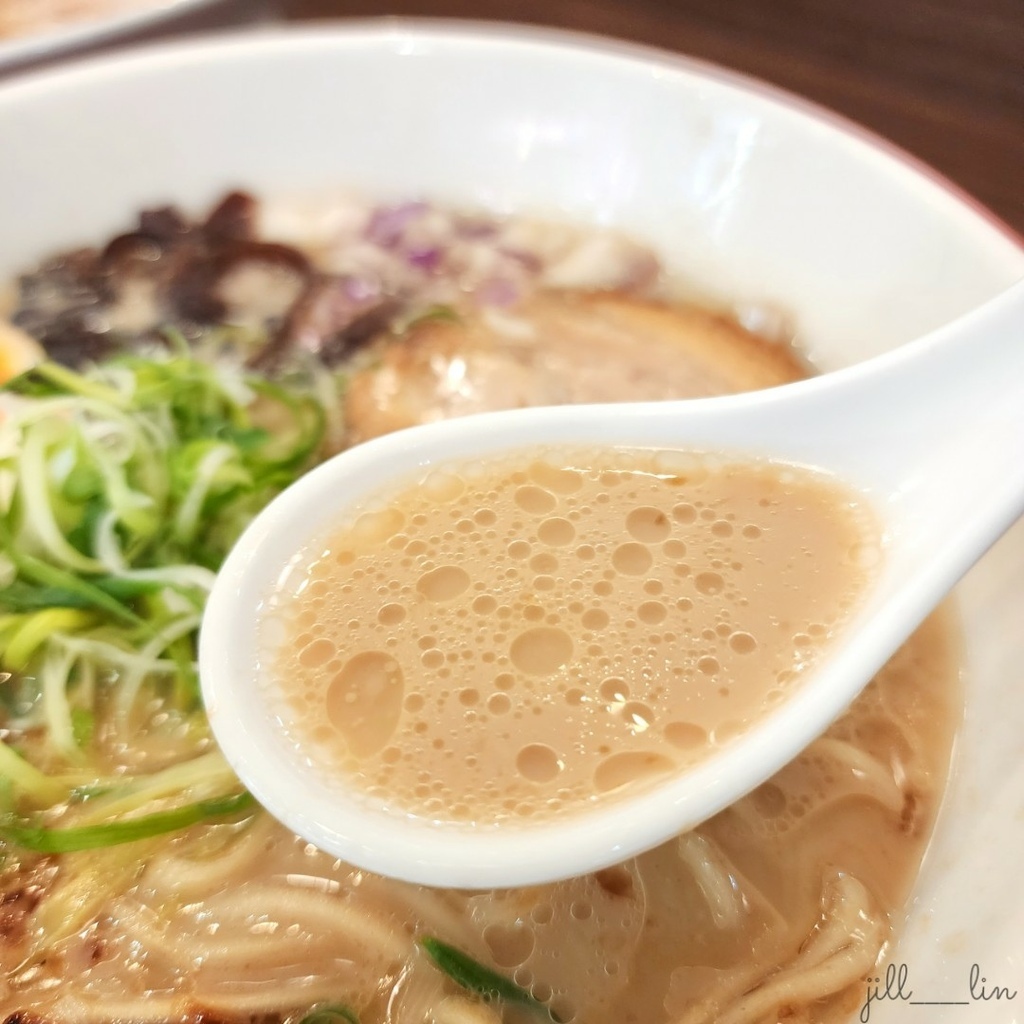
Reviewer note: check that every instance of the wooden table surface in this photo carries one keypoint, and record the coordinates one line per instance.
(944, 79)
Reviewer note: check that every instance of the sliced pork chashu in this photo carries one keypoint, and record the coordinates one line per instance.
(555, 349)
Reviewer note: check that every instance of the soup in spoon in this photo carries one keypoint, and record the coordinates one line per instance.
(529, 634)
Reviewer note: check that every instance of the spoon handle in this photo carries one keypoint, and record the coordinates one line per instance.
(937, 426)
(933, 432)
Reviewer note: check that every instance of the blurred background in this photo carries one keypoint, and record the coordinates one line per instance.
(944, 79)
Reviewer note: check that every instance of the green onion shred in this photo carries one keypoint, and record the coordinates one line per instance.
(475, 977)
(122, 488)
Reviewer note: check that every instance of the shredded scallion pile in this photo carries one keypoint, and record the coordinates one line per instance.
(122, 489)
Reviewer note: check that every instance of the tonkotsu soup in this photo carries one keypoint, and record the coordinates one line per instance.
(543, 630)
(210, 360)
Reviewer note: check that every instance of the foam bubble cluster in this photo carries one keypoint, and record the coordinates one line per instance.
(527, 637)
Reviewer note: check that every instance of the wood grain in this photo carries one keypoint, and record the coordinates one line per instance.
(943, 79)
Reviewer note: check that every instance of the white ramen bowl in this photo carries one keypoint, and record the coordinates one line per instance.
(747, 192)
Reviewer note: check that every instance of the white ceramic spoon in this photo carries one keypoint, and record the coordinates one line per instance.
(932, 433)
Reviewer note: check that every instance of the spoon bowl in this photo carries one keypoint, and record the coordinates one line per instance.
(944, 473)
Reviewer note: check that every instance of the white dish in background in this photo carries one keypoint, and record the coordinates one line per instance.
(52, 37)
(749, 193)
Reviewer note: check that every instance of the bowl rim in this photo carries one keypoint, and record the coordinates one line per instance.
(161, 55)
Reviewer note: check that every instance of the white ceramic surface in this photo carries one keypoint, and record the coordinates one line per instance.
(749, 192)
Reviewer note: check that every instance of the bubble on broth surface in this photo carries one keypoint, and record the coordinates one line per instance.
(444, 583)
(541, 651)
(537, 762)
(364, 700)
(556, 531)
(648, 524)
(620, 770)
(632, 559)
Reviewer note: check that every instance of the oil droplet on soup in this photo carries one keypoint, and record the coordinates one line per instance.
(556, 628)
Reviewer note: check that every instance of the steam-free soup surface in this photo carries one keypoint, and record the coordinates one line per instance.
(538, 632)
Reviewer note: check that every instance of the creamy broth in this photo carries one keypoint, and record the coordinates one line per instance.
(776, 909)
(527, 636)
